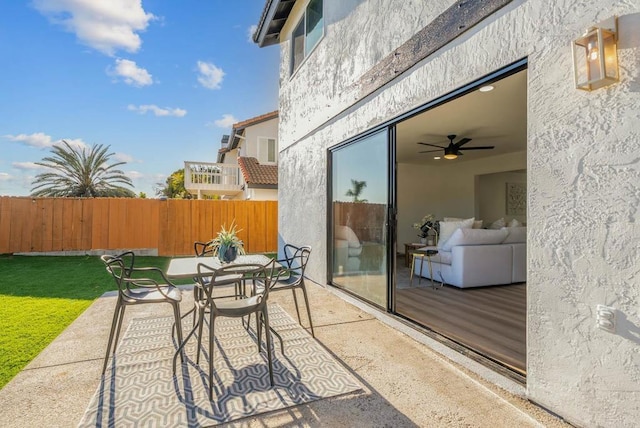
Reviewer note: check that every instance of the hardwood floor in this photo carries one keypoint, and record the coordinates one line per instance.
(489, 320)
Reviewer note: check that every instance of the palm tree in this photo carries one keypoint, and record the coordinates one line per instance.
(356, 191)
(75, 172)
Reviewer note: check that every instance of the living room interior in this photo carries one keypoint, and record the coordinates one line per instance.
(485, 310)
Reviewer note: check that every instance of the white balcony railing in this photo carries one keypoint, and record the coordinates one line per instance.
(205, 178)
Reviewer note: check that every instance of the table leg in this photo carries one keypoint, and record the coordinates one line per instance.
(413, 262)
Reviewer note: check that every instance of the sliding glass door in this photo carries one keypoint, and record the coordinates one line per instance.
(359, 208)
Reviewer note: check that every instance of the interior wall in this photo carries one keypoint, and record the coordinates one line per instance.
(448, 190)
(491, 196)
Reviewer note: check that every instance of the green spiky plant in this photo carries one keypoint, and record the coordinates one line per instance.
(227, 238)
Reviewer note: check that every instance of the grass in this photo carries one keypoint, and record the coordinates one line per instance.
(41, 296)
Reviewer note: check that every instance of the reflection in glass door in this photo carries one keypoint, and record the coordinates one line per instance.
(359, 201)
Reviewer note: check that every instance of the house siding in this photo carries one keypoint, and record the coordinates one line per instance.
(583, 172)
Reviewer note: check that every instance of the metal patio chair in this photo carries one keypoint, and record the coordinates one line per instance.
(254, 275)
(138, 286)
(295, 262)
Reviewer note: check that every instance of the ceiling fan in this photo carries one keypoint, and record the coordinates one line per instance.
(452, 151)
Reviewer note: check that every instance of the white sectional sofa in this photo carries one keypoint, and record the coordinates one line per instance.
(479, 257)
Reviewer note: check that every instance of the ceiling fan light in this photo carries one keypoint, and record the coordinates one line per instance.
(451, 156)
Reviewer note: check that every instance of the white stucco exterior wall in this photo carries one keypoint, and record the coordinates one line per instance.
(583, 172)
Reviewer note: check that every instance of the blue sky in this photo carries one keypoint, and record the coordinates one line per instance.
(159, 81)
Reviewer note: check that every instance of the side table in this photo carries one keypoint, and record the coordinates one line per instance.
(422, 254)
(409, 250)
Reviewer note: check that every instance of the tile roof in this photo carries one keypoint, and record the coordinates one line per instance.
(254, 120)
(255, 173)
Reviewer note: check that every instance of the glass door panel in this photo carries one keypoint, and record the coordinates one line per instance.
(360, 194)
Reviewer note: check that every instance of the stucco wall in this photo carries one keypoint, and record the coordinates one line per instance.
(583, 173)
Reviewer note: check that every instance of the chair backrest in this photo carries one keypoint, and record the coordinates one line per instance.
(117, 268)
(202, 249)
(251, 272)
(296, 259)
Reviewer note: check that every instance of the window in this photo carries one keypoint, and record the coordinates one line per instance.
(267, 150)
(307, 33)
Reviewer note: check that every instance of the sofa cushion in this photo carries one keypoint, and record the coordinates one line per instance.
(463, 237)
(477, 224)
(448, 227)
(347, 234)
(515, 235)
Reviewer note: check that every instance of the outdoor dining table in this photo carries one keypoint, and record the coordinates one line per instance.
(187, 267)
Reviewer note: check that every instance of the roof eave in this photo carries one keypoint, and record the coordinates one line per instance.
(274, 16)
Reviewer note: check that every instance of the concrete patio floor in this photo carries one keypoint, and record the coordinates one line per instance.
(409, 379)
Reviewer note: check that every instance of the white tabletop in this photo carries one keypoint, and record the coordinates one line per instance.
(187, 267)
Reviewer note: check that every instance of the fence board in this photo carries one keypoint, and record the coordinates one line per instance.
(62, 224)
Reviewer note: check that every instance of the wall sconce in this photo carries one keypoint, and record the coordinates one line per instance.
(595, 56)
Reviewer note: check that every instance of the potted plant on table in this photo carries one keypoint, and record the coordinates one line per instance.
(227, 245)
(427, 228)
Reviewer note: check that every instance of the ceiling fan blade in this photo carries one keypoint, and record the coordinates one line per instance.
(430, 151)
(463, 141)
(432, 145)
(477, 148)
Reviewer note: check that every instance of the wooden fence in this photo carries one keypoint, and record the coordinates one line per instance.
(170, 226)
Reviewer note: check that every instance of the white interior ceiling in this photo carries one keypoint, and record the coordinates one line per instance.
(496, 118)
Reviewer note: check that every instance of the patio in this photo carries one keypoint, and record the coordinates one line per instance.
(405, 382)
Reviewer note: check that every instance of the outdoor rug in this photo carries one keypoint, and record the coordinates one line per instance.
(140, 389)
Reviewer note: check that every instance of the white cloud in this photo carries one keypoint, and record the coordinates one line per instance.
(131, 73)
(105, 25)
(42, 141)
(39, 140)
(250, 32)
(122, 157)
(143, 109)
(26, 166)
(73, 142)
(226, 121)
(134, 175)
(210, 76)
(5, 177)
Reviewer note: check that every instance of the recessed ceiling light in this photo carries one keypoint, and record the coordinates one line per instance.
(436, 157)
(486, 88)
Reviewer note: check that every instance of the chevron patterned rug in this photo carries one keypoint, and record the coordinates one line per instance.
(141, 390)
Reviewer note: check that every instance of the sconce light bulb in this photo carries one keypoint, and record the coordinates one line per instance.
(593, 52)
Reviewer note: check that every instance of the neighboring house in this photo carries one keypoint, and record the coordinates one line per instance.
(368, 88)
(247, 164)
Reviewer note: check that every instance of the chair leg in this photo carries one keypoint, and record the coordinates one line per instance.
(295, 301)
(267, 332)
(178, 324)
(306, 301)
(259, 331)
(211, 351)
(119, 327)
(116, 316)
(200, 325)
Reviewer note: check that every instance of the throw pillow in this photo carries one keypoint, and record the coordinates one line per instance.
(514, 223)
(516, 235)
(346, 233)
(477, 224)
(448, 227)
(498, 224)
(462, 237)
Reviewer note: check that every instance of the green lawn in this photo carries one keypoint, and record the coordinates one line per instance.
(41, 296)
